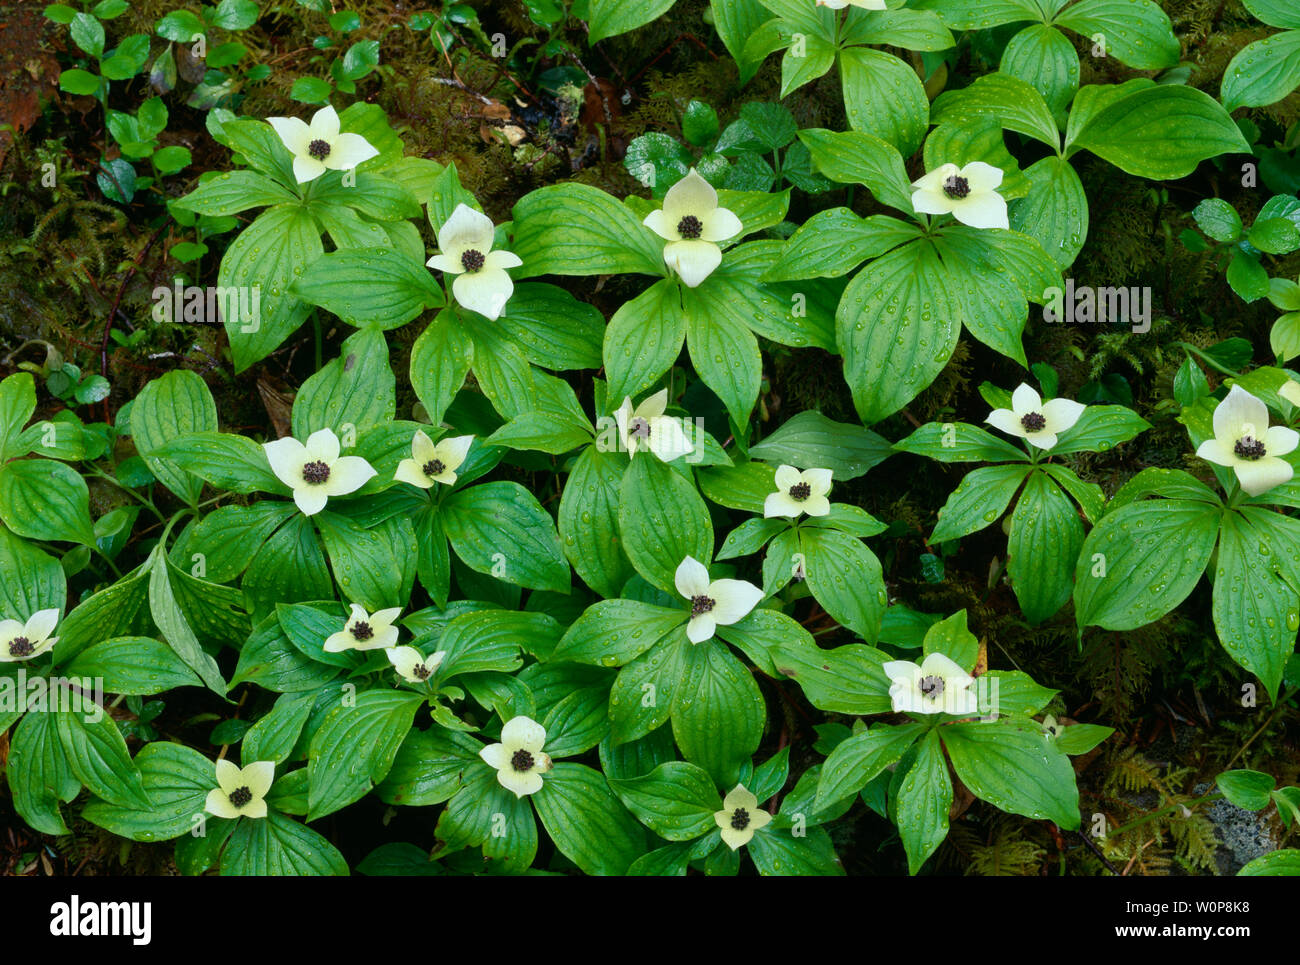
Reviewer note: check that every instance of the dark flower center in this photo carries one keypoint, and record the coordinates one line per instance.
(316, 472)
(434, 467)
(701, 604)
(1248, 447)
(421, 671)
(522, 761)
(362, 631)
(20, 647)
(956, 187)
(690, 227)
(472, 260)
(319, 149)
(740, 819)
(1033, 421)
(800, 491)
(932, 686)
(641, 428)
(240, 796)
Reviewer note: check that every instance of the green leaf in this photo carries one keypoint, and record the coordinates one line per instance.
(428, 767)
(174, 625)
(897, 328)
(278, 845)
(232, 192)
(267, 257)
(587, 822)
(1100, 428)
(99, 759)
(1141, 561)
(355, 390)
(611, 633)
(1160, 132)
(834, 242)
(1262, 73)
(717, 712)
(375, 567)
(1256, 606)
(676, 800)
(607, 18)
(1055, 210)
(1218, 219)
(959, 442)
(355, 747)
(982, 496)
(856, 157)
(39, 774)
(643, 340)
(500, 528)
(846, 680)
(171, 407)
(663, 520)
(17, 403)
(1136, 32)
(857, 760)
(1043, 58)
(226, 460)
(46, 500)
(883, 95)
(1251, 790)
(1042, 548)
(588, 520)
(922, 800)
(809, 439)
(181, 26)
(30, 579)
(1017, 105)
(177, 781)
(846, 579)
(440, 360)
(133, 666)
(574, 229)
(1016, 768)
(552, 328)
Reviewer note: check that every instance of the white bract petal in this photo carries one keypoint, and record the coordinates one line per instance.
(1036, 421)
(968, 193)
(518, 758)
(240, 792)
(937, 686)
(692, 224)
(1244, 442)
(718, 602)
(740, 817)
(646, 427)
(1291, 392)
(315, 471)
(319, 146)
(799, 492)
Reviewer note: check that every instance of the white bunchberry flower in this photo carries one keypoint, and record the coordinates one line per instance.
(799, 492)
(646, 427)
(432, 462)
(365, 631)
(1036, 421)
(319, 147)
(718, 602)
(413, 666)
(693, 224)
(740, 817)
(969, 194)
(1291, 392)
(518, 758)
(937, 686)
(315, 471)
(1244, 442)
(465, 250)
(1051, 728)
(23, 641)
(241, 792)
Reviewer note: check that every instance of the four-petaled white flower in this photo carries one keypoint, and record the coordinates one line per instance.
(319, 147)
(518, 759)
(465, 250)
(718, 602)
(969, 194)
(413, 666)
(799, 492)
(692, 224)
(365, 631)
(315, 471)
(1036, 421)
(740, 817)
(646, 427)
(241, 792)
(937, 686)
(1291, 392)
(23, 641)
(1051, 728)
(432, 462)
(1244, 442)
